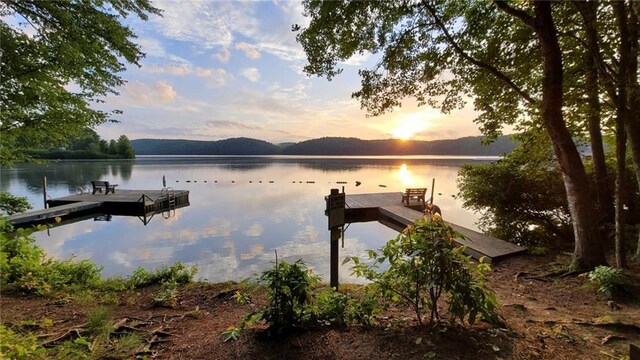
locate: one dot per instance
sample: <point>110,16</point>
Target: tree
<point>124,147</point>
<point>438,51</point>
<point>113,147</point>
<point>81,43</point>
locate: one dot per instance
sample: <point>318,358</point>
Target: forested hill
<point>234,146</point>
<point>352,146</point>
<point>324,146</point>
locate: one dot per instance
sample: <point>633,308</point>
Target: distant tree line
<point>87,145</point>
<point>324,146</point>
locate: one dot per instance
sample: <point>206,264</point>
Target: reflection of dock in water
<point>141,203</point>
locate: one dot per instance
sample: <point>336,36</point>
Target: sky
<point>220,69</point>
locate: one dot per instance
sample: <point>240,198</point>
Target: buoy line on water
<point>341,182</point>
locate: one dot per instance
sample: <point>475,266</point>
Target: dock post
<point>433,185</point>
<point>335,236</point>
<point>44,190</point>
<point>335,210</point>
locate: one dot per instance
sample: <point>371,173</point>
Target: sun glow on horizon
<point>408,127</point>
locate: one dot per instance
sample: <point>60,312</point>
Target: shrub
<point>178,273</point>
<point>289,288</point>
<point>24,264</point>
<point>11,204</point>
<point>364,310</point>
<point>521,198</point>
<point>330,307</point>
<point>425,264</point>
<point>168,295</point>
<point>609,281</point>
<point>16,346</point>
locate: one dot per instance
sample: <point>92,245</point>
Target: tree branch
<point>490,68</point>
<point>520,14</point>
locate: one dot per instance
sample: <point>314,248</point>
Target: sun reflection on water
<point>405,175</point>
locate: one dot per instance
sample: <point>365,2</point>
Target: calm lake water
<point>237,218</point>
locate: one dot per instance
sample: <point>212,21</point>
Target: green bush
<point>521,197</point>
<point>17,346</point>
<point>289,289</point>
<point>365,309</point>
<point>609,281</point>
<point>177,273</point>
<point>24,264</point>
<point>168,295</point>
<point>10,204</point>
<point>330,307</point>
<point>423,264</point>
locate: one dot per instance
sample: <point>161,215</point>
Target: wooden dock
<point>51,213</point>
<point>122,202</point>
<point>388,209</point>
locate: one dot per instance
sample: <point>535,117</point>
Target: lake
<point>242,209</point>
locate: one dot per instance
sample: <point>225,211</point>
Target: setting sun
<point>404,132</point>
<point>411,126</point>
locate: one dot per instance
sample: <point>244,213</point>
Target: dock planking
<point>388,209</point>
<point>51,213</point>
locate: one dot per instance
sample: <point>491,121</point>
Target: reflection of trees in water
<point>244,167</point>
<point>71,174</point>
<point>323,164</point>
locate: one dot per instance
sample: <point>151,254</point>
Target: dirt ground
<point>547,317</point>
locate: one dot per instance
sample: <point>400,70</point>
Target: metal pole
<point>44,190</point>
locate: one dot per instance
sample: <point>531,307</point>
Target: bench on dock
<point>414,193</point>
<point>98,185</point>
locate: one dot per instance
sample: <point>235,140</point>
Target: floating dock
<point>388,209</point>
<point>121,202</point>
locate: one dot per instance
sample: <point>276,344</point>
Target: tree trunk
<point>622,111</point>
<point>603,195</point>
<point>588,247</point>
<point>633,119</point>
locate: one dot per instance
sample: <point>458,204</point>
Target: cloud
<point>249,50</point>
<point>216,77</point>
<point>223,56</point>
<point>223,124</point>
<point>152,47</point>
<point>252,74</point>
<point>169,69</point>
<point>208,24</point>
<point>141,93</point>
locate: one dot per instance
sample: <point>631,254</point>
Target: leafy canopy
<point>438,52</point>
<point>62,57</point>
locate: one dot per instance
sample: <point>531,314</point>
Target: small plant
<point>16,346</point>
<point>330,307</point>
<point>178,273</point>
<point>241,298</point>
<point>609,281</point>
<point>424,264</point>
<point>168,295</point>
<point>99,321</point>
<point>289,288</point>
<point>365,310</point>
<point>232,333</point>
